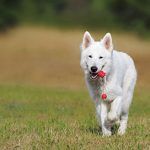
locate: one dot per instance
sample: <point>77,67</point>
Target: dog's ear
<point>87,40</point>
<point>107,42</point>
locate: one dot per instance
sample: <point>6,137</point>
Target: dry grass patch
<point>50,57</point>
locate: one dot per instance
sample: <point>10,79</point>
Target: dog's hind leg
<point>123,124</point>
<point>128,89</point>
<point>124,112</point>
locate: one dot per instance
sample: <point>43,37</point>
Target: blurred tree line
<point>128,14</point>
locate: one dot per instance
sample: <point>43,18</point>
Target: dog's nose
<point>93,68</point>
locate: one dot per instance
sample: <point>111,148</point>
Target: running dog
<point>110,77</point>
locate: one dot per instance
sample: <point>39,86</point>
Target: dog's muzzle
<point>93,75</point>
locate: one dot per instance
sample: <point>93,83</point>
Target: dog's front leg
<point>115,109</point>
<point>103,117</point>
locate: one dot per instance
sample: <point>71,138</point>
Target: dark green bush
<point>9,13</point>
<point>128,14</point>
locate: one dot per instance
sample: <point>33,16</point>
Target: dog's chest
<point>110,89</point>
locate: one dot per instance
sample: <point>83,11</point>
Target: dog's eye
<point>100,57</point>
<point>90,56</point>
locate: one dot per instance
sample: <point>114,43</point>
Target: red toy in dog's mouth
<point>100,74</point>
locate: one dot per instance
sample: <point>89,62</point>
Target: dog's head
<point>96,55</point>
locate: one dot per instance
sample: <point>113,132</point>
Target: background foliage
<point>126,14</point>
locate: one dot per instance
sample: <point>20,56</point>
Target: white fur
<point>120,81</point>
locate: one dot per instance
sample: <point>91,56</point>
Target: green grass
<point>45,118</point>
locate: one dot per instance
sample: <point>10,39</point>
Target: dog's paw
<point>112,116</point>
<point>121,131</point>
<point>106,133</point>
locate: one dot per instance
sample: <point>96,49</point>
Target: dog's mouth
<point>93,75</point>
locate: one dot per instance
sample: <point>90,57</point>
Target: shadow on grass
<point>114,129</point>
<point>98,130</point>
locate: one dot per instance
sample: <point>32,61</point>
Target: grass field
<point>44,103</point>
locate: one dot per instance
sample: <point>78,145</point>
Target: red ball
<point>101,74</point>
<point>103,96</point>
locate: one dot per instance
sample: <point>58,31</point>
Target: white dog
<point>110,76</point>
